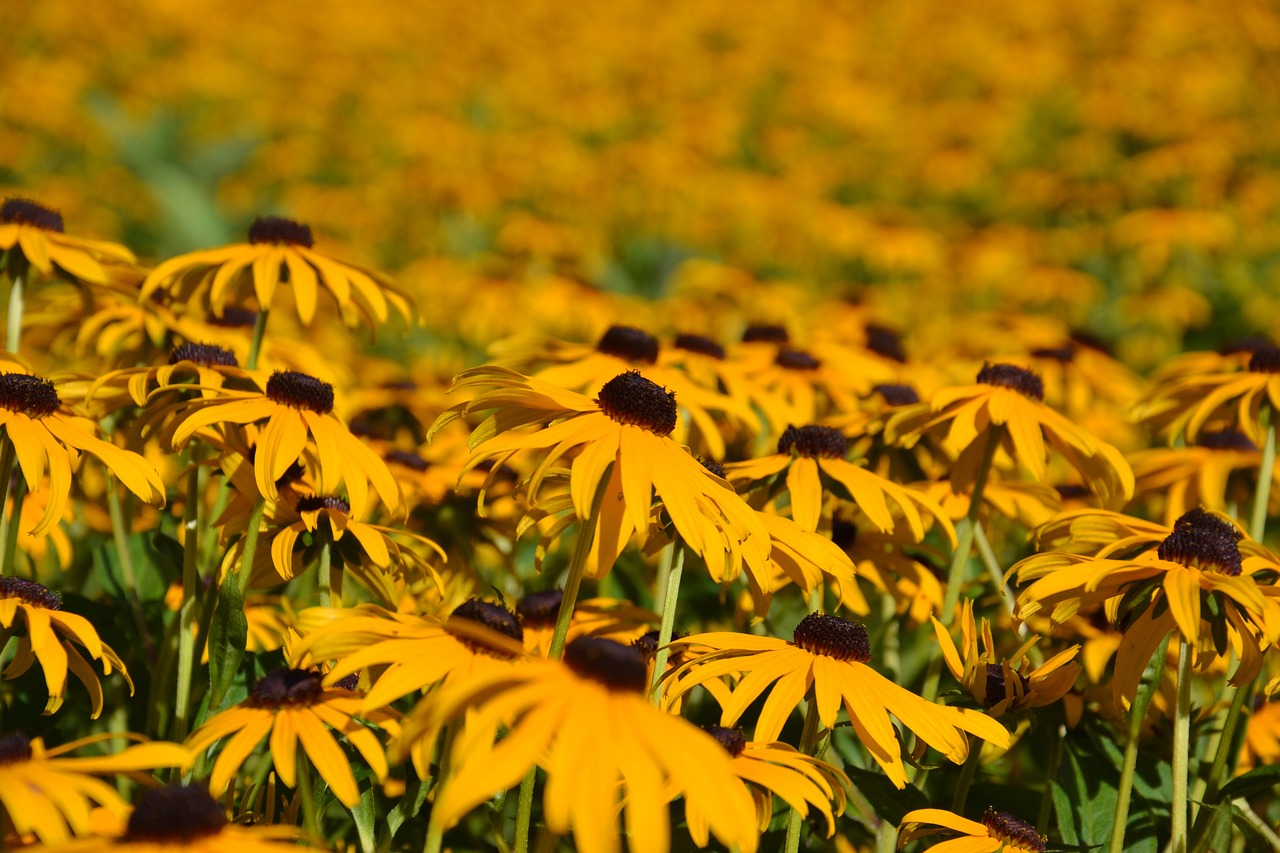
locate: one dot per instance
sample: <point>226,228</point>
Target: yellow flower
<point>191,364</point>
<point>1215,473</point>
<point>1261,738</point>
<point>295,407</point>
<point>45,634</point>
<point>294,708</point>
<point>32,235</point>
<point>49,438</point>
<point>1230,397</point>
<point>765,769</point>
<point>997,831</point>
<point>806,559</point>
<point>185,819</point>
<point>586,721</point>
<point>610,618</point>
<point>45,792</point>
<point>1011,399</point>
<point>829,657</point>
<point>279,251</point>
<point>624,436</point>
<point>1004,684</point>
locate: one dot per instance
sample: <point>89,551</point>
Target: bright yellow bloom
<point>45,634</point>
<point>611,618</point>
<point>32,235</point>
<point>205,366</point>
<point>279,251</point>
<point>998,831</point>
<point>1216,473</point>
<point>1261,738</point>
<point>829,657</point>
<point>45,792</point>
<point>1186,404</point>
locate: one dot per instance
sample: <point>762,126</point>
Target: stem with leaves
<point>1137,713</point>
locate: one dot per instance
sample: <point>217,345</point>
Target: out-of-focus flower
<point>32,235</point>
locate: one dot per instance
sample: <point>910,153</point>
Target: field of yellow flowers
<point>643,426</point>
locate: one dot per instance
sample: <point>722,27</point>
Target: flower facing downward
<point>997,831</point>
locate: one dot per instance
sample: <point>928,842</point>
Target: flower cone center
<point>1064,353</point>
<point>699,344</point>
<point>1015,378</point>
<point>1227,439</point>
<point>1265,360</point>
<point>765,334</point>
<point>897,395</point>
<point>540,609</point>
<point>796,359</point>
<point>24,211</point>
<point>314,503</point>
<point>277,229</point>
<point>823,634</point>
<point>885,342</point>
<point>37,595</point>
<point>629,398</point>
<point>1013,830</point>
<point>495,617</point>
<point>996,685</point>
<point>285,688</point>
<point>300,391</point>
<point>408,459</point>
<point>647,645</point>
<point>629,344</point>
<point>617,667</point>
<point>176,815</point>
<point>33,396</point>
<point>14,747</point>
<point>733,740</point>
<point>813,442</point>
<point>1202,540</point>
<point>234,317</point>
<point>205,355</point>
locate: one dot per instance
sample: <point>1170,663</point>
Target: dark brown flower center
<point>174,815</point>
<point>795,359</point>
<point>351,682</point>
<point>314,503</point>
<point>14,747</point>
<point>647,645</point>
<point>24,211</point>
<point>823,634</point>
<point>606,662</point>
<point>813,441</point>
<point>408,459</point>
<point>1014,378</point>
<point>996,684</point>
<point>629,344</point>
<point>234,317</point>
<point>1227,439</point>
<point>1202,540</point>
<point>765,333</point>
<point>540,609</point>
<point>843,533</point>
<point>1088,340</point>
<point>885,342</point>
<point>701,345</point>
<point>300,391</point>
<point>629,398</point>
<point>286,688</point>
<point>1242,345</point>
<point>713,466</point>
<point>897,395</point>
<point>733,740</point>
<point>205,355</point>
<point>495,617</point>
<point>1063,353</point>
<point>33,396</point>
<point>37,595</point>
<point>1265,360</point>
<point>1013,830</point>
<point>277,229</point>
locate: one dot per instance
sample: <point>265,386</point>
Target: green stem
<point>8,456</point>
<point>967,771</point>
<point>1181,749</point>
<point>524,811</point>
<point>255,343</point>
<point>120,533</point>
<point>808,739</point>
<point>1050,779</point>
<point>1262,496</point>
<point>1137,713</point>
<point>435,832</point>
<point>250,543</point>
<point>960,560</point>
<point>14,336</point>
<point>581,551</point>
<point>15,518</point>
<point>307,790</point>
<point>667,627</point>
<point>1226,742</point>
<point>323,578</point>
<point>187,615</point>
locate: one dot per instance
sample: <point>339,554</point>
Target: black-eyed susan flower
<point>1010,399</point>
<point>611,618</point>
<point>1002,684</point>
<point>997,831</point>
<point>806,559</point>
<point>1232,397</point>
<point>185,818</point>
<point>48,437</point>
<point>829,656</point>
<point>585,720</point>
<point>293,407</point>
<point>294,708</point>
<point>1261,745</point>
<point>813,458</point>
<point>622,435</point>
<point>46,792</point>
<point>766,769</point>
<point>32,235</point>
<point>279,252</point>
<point>47,634</point>
<point>202,365</point>
<point>1216,473</point>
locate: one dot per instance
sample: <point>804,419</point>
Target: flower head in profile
<point>829,656</point>
<point>203,365</point>
<point>279,252</point>
<point>1010,399</point>
<point>1233,396</point>
<point>997,831</point>
<point>50,635</point>
<point>294,708</point>
<point>49,793</point>
<point>605,749</point>
<point>1004,684</point>
<point>32,235</point>
<point>1216,472</point>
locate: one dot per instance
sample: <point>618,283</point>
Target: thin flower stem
<point>323,575</point>
<point>808,740</point>
<point>960,560</point>
<point>524,811</point>
<point>250,543</point>
<point>15,517</point>
<point>667,627</point>
<point>8,456</point>
<point>1050,779</point>
<point>435,832</point>
<point>255,343</point>
<point>14,333</point>
<point>187,615</point>
<point>307,792</point>
<point>1181,749</point>
<point>1226,742</point>
<point>120,533</point>
<point>1262,495</point>
<point>581,551</point>
<point>971,762</point>
<point>1137,712</point>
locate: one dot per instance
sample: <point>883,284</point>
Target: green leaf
<point>1085,801</point>
<point>1217,833</point>
<point>228,637</point>
<point>1256,781</point>
<point>890,803</point>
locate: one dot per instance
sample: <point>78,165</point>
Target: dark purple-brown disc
<point>1202,540</point>
<point>33,396</point>
<point>174,816</point>
<point>24,211</point>
<point>823,634</point>
<point>606,662</point>
<point>1015,378</point>
<point>300,391</point>
<point>278,229</point>
<point>629,344</point>
<point>629,398</point>
<point>205,355</point>
<point>813,441</point>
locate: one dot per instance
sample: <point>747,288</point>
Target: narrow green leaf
<point>228,637</point>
